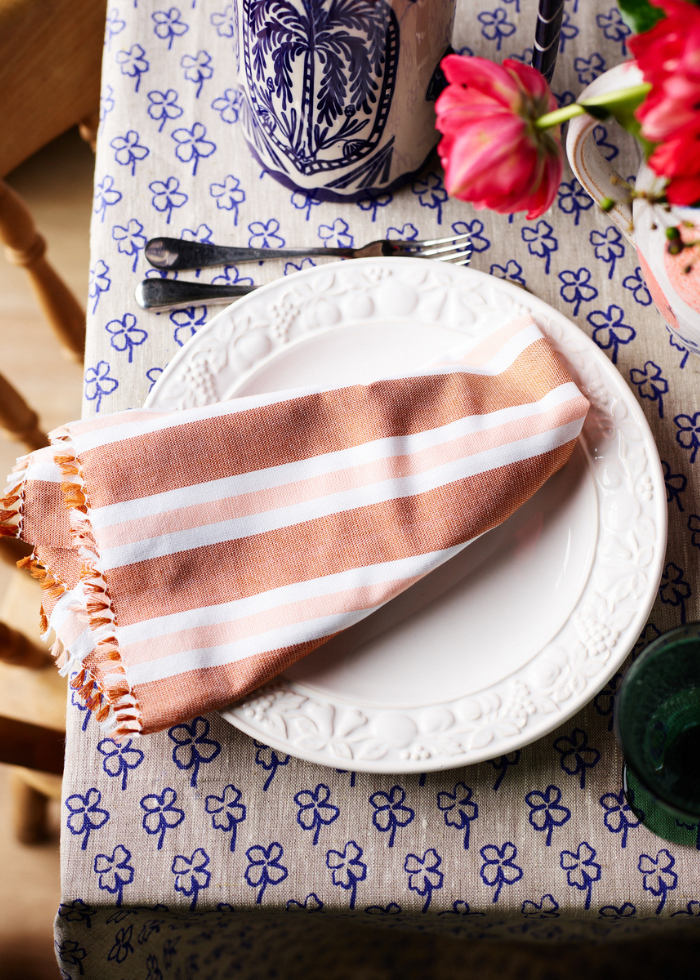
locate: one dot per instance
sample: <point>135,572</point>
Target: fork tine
<point>428,252</point>
<point>460,257</point>
<point>443,241</point>
<point>419,246</point>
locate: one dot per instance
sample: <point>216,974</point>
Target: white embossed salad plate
<point>514,635</point>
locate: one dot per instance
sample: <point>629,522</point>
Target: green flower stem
<point>622,102</point>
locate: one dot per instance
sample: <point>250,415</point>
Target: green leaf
<point>639,15</point>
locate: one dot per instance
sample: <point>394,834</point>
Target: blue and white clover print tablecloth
<point>174,846</point>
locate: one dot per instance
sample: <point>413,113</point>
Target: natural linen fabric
<point>189,557</point>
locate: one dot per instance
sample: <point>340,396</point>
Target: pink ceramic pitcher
<point>673,280</point>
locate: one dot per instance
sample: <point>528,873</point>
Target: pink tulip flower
<point>492,153</point>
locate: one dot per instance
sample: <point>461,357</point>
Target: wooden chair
<point>32,718</point>
<point>50,60</point>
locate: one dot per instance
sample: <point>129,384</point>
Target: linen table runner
<point>188,557</point>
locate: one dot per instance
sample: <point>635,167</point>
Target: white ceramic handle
<point>591,168</point>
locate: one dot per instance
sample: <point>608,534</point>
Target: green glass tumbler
<point>657,723</point>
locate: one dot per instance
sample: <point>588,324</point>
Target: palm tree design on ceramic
<point>320,77</point>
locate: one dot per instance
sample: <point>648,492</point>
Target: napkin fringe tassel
<point>110,696</point>
<point>11,504</point>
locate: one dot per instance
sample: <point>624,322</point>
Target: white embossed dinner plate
<point>510,638</point>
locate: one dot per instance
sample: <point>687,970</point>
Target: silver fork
<point>158,295</point>
<point>174,254</point>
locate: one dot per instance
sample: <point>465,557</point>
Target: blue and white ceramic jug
<point>337,96</point>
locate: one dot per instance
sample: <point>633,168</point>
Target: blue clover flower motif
<point>649,633</point>
<point>153,374</point>
<point>694,528</point>
<point>674,589</point>
<point>336,235</point>
<point>312,903</point>
<point>133,63</point>
<point>650,384</point>
<point>475,228</point>
<point>458,809</point>
<point>581,869</point>
<point>122,945</point>
<point>674,343</point>
<point>625,911</point>
<point>373,202</point>
<point>192,747</point>
<point>125,334</point>
<point>99,384</point>
<point>688,435</point>
<point>604,701</point>
<point>231,276</point>
<point>431,193</point>
<point>77,911</point>
<point>588,69</point>
<point>128,151</point>
<point>229,107</point>
<point>541,242</point>
<point>114,871</point>
<point>163,106</point>
<point>614,28</point>
<point>160,813</point>
<point>191,875</point>
<point>347,868</point>
<point>692,908</point>
<point>546,812</point>
<point>573,199</point>
<point>197,69</point>
<point>115,25</point>
<point>609,329</point>
<point>226,811</point>
<point>512,270</point>
<point>229,196</point>
<point>496,26</point>
<point>499,867</point>
<point>120,757</point>
<point>202,233</point>
<point>406,233</point>
<point>526,57</point>
<point>576,289</point>
<point>154,972</point>
<point>657,876</point>
<point>192,146</point>
<point>564,98</point>
<point>675,484</point>
<point>546,908</point>
<point>608,150</point>
<point>225,22</point>
<point>264,867</point>
<point>168,25</point>
<point>576,754</point>
<point>99,282</point>
<point>71,953</point>
<point>167,196</point>
<point>270,760</point>
<point>607,246</point>
<point>568,32</point>
<point>423,875</point>
<point>186,322</point>
<point>636,285</point>
<point>264,234</point>
<point>501,764</point>
<point>619,817</point>
<point>106,102</point>
<point>106,196</point>
<point>304,201</point>
<point>393,908</point>
<point>291,267</point>
<point>460,907</point>
<point>390,812</point>
<point>129,239</point>
<point>314,809</point>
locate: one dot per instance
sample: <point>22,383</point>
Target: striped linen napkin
<point>188,557</point>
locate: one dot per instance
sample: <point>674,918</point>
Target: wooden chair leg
<point>13,550</point>
<point>18,420</point>
<point>88,129</point>
<point>29,808</point>
<point>18,651</point>
<point>27,248</point>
